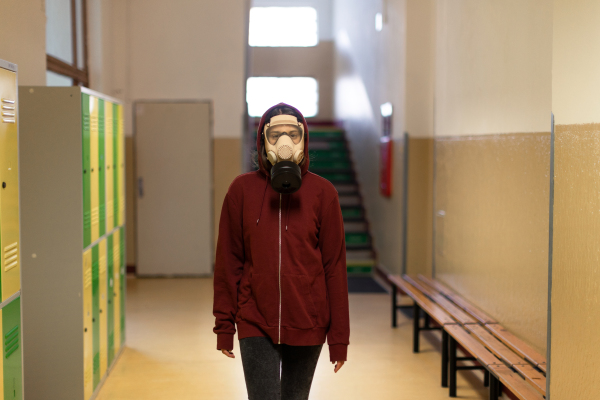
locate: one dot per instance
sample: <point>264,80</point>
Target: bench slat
<point>472,345</point>
<point>518,346</point>
<point>461,302</point>
<point>515,383</point>
<point>446,304</point>
<point>494,345</point>
<point>432,309</point>
<point>537,380</point>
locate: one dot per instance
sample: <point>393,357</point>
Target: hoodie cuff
<point>338,352</point>
<point>225,341</point>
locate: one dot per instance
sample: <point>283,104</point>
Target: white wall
<point>369,71</point>
<point>183,49</point>
<point>493,72</point>
<point>23,38</point>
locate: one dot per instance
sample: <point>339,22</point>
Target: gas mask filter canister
<point>284,145</point>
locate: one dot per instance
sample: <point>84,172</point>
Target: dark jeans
<point>262,360</point>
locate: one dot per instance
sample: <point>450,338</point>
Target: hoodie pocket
<point>297,307</point>
<point>321,300</point>
<point>265,293</point>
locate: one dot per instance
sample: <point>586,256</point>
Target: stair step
<point>349,200</point>
<point>352,213</point>
<point>359,255</point>
<point>326,134</point>
<point>346,188</point>
<point>338,177</point>
<point>359,269</point>
<point>355,226</point>
<point>320,155</point>
<point>332,145</point>
<point>324,164</point>
<point>358,239</point>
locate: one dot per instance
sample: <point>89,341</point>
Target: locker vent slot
<point>11,341</point>
<point>8,117</point>
<point>11,256</point>
<point>8,107</point>
<point>8,101</point>
<point>95,216</point>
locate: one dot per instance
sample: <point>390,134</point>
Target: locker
<point>87,194</point>
<point>94,167</point>
<point>101,168</point>
<point>110,299</point>
<point>121,166</point>
<point>12,360</point>
<point>96,312</point>
<point>88,335</point>
<point>10,271</point>
<point>117,289</point>
<point>103,308</point>
<point>122,282</point>
<point>108,140</point>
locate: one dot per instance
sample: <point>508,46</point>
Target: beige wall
<point>491,226</point>
<point>315,62</point>
<point>575,300</point>
<point>23,40</point>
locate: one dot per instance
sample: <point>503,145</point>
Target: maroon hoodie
<point>281,262</point>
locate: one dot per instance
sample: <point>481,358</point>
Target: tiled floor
<point>171,353</point>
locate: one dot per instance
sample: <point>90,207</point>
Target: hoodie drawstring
<point>263,199</point>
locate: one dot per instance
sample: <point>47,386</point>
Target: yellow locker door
<point>108,140</point>
<point>116,289</point>
<point>121,165</point>
<point>88,335</point>
<point>94,168</point>
<point>103,308</point>
<point>10,274</point>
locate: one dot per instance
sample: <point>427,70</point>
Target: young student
<point>280,272</point>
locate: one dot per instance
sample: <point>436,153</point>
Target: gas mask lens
<point>275,132</point>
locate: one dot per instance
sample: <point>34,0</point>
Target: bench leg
<point>453,370</point>
<point>394,306</point>
<point>486,378</point>
<point>427,323</point>
<point>416,329</point>
<point>499,389</point>
<point>494,384</point>
<point>445,358</point>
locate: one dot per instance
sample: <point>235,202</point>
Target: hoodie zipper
<point>279,339</point>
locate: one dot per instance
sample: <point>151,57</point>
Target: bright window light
<point>378,22</point>
<point>264,92</point>
<point>283,27</point>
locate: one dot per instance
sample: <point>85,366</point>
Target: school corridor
<point>413,184</point>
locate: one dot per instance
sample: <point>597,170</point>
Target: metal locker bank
<point>73,202</point>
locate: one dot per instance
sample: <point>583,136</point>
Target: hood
<point>261,125</point>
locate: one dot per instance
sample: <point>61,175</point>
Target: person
<point>280,270</point>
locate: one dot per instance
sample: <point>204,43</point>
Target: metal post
<point>499,388</point>
<point>394,306</point>
<point>444,358</point>
<point>452,367</point>
<point>493,388</point>
<point>427,322</point>
<point>416,329</point>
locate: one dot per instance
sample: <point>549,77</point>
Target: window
<point>283,27</point>
<point>300,92</point>
<point>66,42</point>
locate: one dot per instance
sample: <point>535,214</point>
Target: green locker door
<point>96,313</point>
<point>101,166</point>
<point>11,331</point>
<point>115,170</point>
<point>123,282</point>
<point>111,310</point>
<point>87,200</point>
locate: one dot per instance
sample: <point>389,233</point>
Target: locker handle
<point>140,187</point>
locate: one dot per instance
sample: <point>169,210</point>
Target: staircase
<point>330,158</point>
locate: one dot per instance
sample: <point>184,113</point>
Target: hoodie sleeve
<point>229,266</point>
<point>332,242</point>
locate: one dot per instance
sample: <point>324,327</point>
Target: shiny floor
<point>171,353</point>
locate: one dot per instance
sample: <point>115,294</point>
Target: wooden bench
<point>463,324</point>
<point>514,343</point>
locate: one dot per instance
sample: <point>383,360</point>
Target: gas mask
<point>284,145</point>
